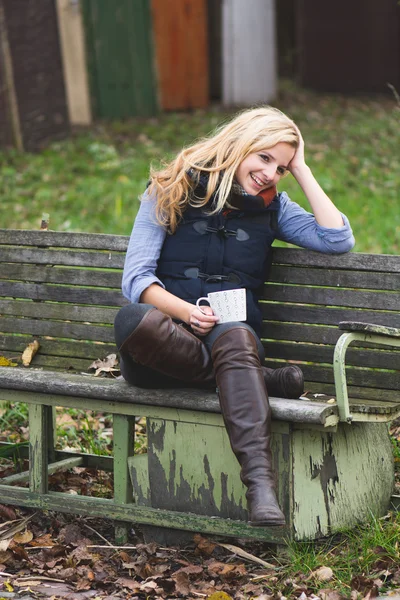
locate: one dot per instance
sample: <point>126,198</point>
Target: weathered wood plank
<point>355,376</point>
<point>302,333</point>
<point>89,461</point>
<point>357,393</point>
<point>321,315</point>
<point>358,261</point>
<point>370,328</point>
<point>38,447</point>
<point>40,383</point>
<point>60,311</point>
<point>75,295</point>
<point>51,347</point>
<point>99,507</point>
<point>124,437</point>
<point>58,329</point>
<point>61,239</point>
<point>334,297</point>
<point>61,275</point>
<point>61,465</point>
<point>333,278</point>
<point>324,354</point>
<point>66,257</point>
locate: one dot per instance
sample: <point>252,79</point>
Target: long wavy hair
<point>219,155</point>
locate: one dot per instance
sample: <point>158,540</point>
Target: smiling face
<point>263,169</point>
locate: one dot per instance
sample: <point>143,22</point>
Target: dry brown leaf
<point>4,544</point>
<point>244,554</point>
<point>29,353</point>
<point>322,574</point>
<point>106,365</point>
<point>204,546</point>
<point>23,538</point>
<point>328,594</point>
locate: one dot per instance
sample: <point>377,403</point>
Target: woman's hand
<point>202,321</point>
<point>298,161</point>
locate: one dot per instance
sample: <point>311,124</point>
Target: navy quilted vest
<point>210,253</point>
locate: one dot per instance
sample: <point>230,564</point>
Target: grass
<point>364,556</point>
<point>92,180</point>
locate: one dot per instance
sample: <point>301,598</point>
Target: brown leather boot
<point>159,343</point>
<point>286,382</point>
<point>247,416</point>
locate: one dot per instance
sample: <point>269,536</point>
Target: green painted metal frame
<point>339,365</point>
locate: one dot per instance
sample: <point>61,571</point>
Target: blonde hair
<point>219,155</point>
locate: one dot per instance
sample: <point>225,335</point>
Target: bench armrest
<point>370,328</point>
<point>365,332</point>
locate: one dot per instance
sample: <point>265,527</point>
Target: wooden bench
<point>333,459</point>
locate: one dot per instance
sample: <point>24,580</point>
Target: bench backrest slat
<point>64,290</point>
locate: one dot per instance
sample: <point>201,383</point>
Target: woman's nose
<point>269,172</point>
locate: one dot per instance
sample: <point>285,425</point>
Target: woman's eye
<point>281,171</point>
<point>264,157</point>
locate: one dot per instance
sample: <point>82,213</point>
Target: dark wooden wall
<point>348,46</point>
<point>38,77</point>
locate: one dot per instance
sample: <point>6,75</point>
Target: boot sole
<point>266,524</point>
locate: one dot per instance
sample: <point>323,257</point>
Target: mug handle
<point>198,303</point>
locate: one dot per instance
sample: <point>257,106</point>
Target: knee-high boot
<point>247,415</point>
<point>286,382</point>
<point>159,343</point>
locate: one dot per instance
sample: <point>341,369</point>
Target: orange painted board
<point>181,51</point>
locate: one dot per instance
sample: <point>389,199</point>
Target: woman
<point>207,223</point>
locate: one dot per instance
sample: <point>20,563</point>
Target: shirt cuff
<point>141,285</point>
<point>335,234</point>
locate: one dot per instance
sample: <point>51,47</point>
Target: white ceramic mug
<point>229,305</point>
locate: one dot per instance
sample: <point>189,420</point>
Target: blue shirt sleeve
<point>299,227</point>
<point>143,252</point>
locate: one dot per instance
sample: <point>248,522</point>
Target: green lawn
<point>92,181</point>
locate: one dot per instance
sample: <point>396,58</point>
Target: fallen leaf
<point>4,544</point>
<point>6,512</point>
<point>29,353</point>
<point>6,362</point>
<point>204,546</point>
<point>219,596</point>
<point>23,538</point>
<point>106,365</point>
<point>322,574</point>
<point>328,594</point>
<point>244,554</point>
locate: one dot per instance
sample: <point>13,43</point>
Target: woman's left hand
<point>298,161</point>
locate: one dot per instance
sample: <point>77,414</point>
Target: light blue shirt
<point>295,225</point>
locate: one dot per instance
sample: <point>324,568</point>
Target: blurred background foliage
<point>92,181</point>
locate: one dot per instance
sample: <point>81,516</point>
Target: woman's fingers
<point>202,321</point>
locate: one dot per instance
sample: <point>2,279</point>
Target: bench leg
<point>124,439</point>
<point>38,448</point>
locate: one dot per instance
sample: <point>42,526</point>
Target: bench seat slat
<point>61,239</point>
<point>187,399</point>
<point>301,333</point>
<point>354,392</point>
<point>13,345</point>
<point>58,329</point>
<point>63,312</point>
<point>355,376</point>
<point>385,263</point>
<point>75,295</point>
<point>336,278</point>
<point>372,358</point>
<point>321,315</point>
<point>72,258</point>
<point>332,297</point>
<point>61,275</point>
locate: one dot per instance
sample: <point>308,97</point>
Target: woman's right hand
<point>202,321</point>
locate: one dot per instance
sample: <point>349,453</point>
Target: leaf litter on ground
<point>56,554</point>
